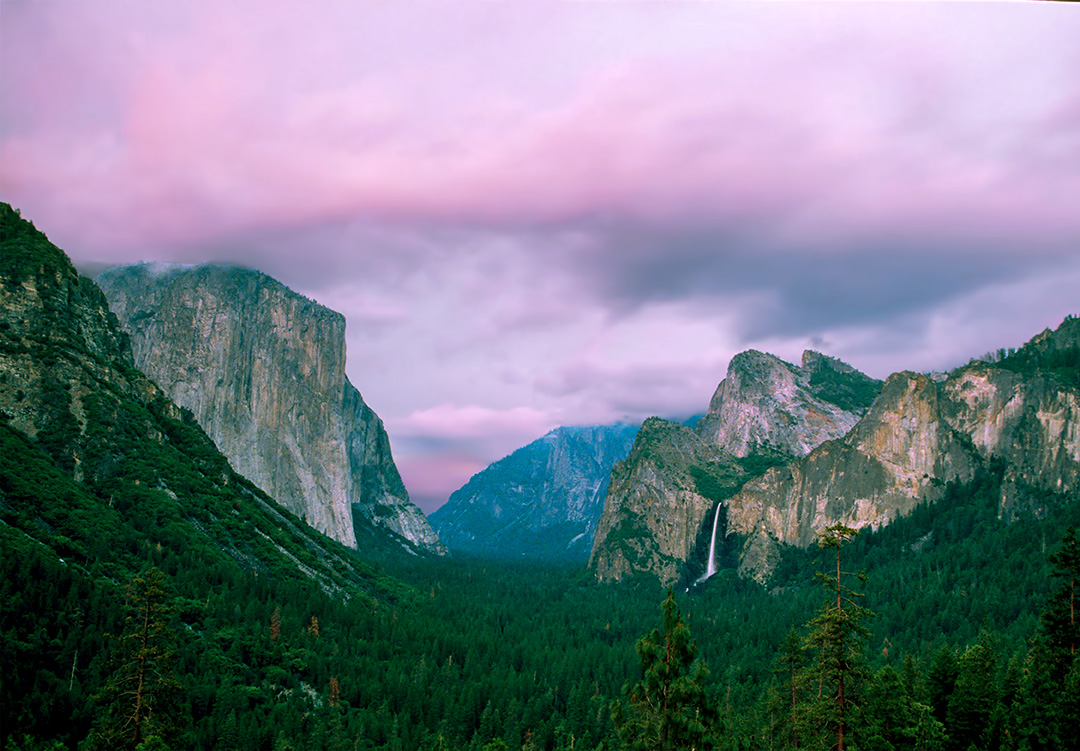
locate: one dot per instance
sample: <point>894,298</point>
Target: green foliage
<point>762,460</point>
<point>848,389</point>
<point>140,700</point>
<point>668,709</point>
<point>24,251</point>
<point>836,642</point>
<point>1057,354</point>
<point>716,481</point>
<point>1060,619</point>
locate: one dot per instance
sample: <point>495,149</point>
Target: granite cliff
<point>102,468</point>
<point>542,501</point>
<point>660,502</point>
<point>919,435</point>
<point>263,371</point>
<point>766,403</point>
<point>765,412</point>
<point>822,444</point>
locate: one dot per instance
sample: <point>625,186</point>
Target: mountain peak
<point>262,368</point>
<point>767,402</point>
<point>540,502</point>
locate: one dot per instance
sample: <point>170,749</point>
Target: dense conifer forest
<point>950,650</point>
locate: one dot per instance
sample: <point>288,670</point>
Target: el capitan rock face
<point>263,371</point>
<point>542,501</point>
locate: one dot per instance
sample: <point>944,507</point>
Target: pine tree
<point>789,669</point>
<point>972,704</point>
<point>139,700</point>
<point>941,682</point>
<point>837,640</point>
<point>1061,627</point>
<point>668,709</point>
<point>890,713</point>
<point>1050,704</point>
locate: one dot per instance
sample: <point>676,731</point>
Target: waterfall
<point>711,568</point>
<point>712,545</point>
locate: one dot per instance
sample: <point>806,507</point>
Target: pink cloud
<point>844,133</point>
<point>448,421</point>
<point>431,479</point>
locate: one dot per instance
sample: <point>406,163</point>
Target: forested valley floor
<point>963,640</point>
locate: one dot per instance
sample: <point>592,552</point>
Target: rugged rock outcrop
<point>263,371</point>
<point>1029,422</point>
<point>898,455</point>
<point>59,344</point>
<point>659,500</point>
<point>103,470</point>
<point>765,403</point>
<point>542,501</point>
<point>919,435</point>
<point>765,411</point>
<point>859,452</point>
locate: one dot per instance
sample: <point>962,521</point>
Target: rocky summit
<point>920,434</point>
<point>543,501</point>
<point>822,444</point>
<point>262,369</point>
<point>765,403</point>
<point>665,499</point>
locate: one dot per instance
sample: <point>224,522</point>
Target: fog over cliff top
<point>538,215</point>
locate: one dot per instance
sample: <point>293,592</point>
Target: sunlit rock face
<point>263,371</point>
<point>898,455</point>
<point>1031,423</point>
<point>766,402</point>
<point>658,501</point>
<point>851,450</point>
<point>541,502</point>
<point>671,483</point>
<point>918,435</point>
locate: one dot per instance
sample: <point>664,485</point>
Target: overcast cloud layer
<point>545,214</point>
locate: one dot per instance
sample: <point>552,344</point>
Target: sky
<point>542,214</point>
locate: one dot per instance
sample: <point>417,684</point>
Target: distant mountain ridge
<point>262,368</point>
<point>1020,415</point>
<point>542,501</point>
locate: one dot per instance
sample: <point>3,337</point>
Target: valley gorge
<point>543,501</point>
<point>114,503</point>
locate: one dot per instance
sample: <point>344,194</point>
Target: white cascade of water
<point>711,568</point>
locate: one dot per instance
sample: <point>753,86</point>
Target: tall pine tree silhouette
<point>668,709</point>
<point>837,639</point>
<point>138,702</point>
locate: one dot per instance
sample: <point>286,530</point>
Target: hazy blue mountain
<point>542,501</point>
